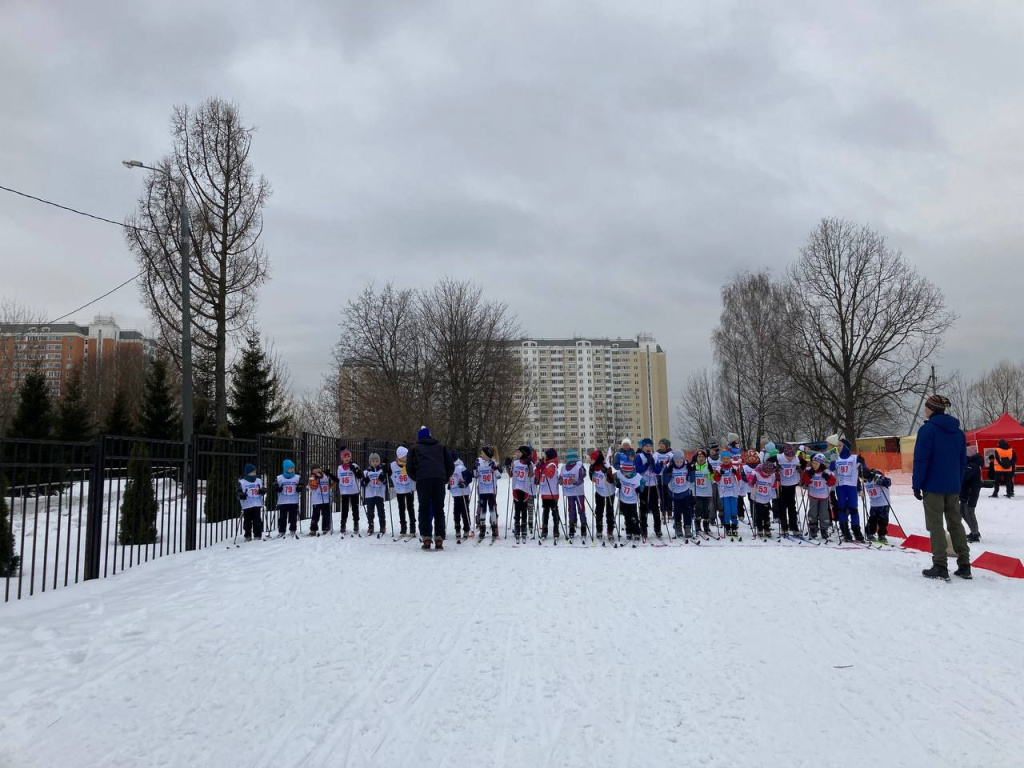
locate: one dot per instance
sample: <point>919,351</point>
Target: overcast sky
<point>602,167</point>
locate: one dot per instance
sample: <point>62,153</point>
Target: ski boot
<point>937,572</point>
<point>845,529</point>
<point>438,544</point>
<point>248,537</point>
<point>882,539</point>
<point>857,533</point>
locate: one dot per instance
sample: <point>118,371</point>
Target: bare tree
<point>12,315</point>
<point>962,394</point>
<point>863,325</point>
<point>1000,390</point>
<point>210,165</point>
<point>698,411</point>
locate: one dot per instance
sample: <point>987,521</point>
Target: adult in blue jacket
<point>940,457</point>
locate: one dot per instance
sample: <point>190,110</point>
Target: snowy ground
<point>325,652</point>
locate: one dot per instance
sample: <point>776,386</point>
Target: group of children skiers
<point>713,485</point>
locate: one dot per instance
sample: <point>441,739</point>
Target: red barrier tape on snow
<point>922,543</point>
<point>1011,567</point>
<point>895,532</point>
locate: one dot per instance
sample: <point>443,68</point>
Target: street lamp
<point>184,238</point>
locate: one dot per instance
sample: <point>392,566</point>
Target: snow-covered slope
<point>323,652</point>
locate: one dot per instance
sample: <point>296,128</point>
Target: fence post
<point>191,494</point>
<point>94,512</point>
<point>303,472</point>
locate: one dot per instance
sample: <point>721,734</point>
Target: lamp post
<point>184,238</point>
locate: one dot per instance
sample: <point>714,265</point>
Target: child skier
<point>571,479</point>
<point>677,478</point>
<point>789,479</point>
<point>970,489</point>
<point>819,481</point>
<point>715,462</point>
<point>646,466</point>
<point>487,474</point>
<point>703,478</point>
<point>875,484</point>
<point>287,486</point>
<point>847,467</point>
<point>546,476</point>
<point>321,494</point>
<point>459,486</point>
<point>250,496</point>
<point>728,479</point>
<point>663,457</point>
<point>375,489</point>
<point>522,488</point>
<point>765,482</point>
<point>349,475</point>
<point>630,485</point>
<point>603,478</point>
<point>404,487</point>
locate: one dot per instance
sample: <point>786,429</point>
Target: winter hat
<point>772,453</point>
<point>375,457</point>
<point>249,471</point>
<point>820,458</point>
<point>678,456</point>
<point>314,467</point>
<point>423,434</point>
<point>571,456</point>
<point>487,451</point>
<point>345,455</point>
<point>524,451</point>
<point>713,446</point>
<point>627,465</point>
<point>771,447</point>
<point>832,439</point>
<point>1004,445</point>
<point>732,437</point>
<point>751,457</point>
<point>289,467</point>
<point>645,442</point>
<point>627,442</point>
<point>550,453</point>
<point>937,403</point>
<point>789,450</point>
<point>666,442</point>
<point>402,452</point>
<point>700,452</point>
<point>764,469</point>
<point>727,460</point>
<point>596,456</point>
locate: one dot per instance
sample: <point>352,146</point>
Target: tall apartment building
<point>591,393</point>
<point>56,349</point>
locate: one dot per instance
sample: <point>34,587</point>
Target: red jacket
<point>546,476</point>
<point>830,479</point>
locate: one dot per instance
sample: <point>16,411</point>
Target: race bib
<point>763,490</point>
<point>627,491</point>
<point>788,471</point>
<point>254,491</point>
<point>486,478</point>
<point>679,480</point>
<point>403,478</point>
<point>289,489</point>
<point>727,480</point>
<point>701,480</point>
<point>874,493</point>
<point>346,480</point>
<point>520,474</point>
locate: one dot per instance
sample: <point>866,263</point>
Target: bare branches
<point>698,411</point>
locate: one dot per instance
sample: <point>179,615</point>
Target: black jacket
<point>972,473</point>
<point>429,460</point>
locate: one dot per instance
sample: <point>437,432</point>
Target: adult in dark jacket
<point>940,458</point>
<point>970,489</point>
<point>1001,467</point>
<point>430,466</point>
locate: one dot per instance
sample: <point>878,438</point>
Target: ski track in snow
<point>366,652</point>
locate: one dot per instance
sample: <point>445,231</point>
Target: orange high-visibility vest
<point>1004,459</point>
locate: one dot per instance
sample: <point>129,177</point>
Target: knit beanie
<point>375,457</point>
<point>524,452</point>
<point>345,455</point>
<point>596,456</point>
<point>423,434</point>
<point>820,458</point>
<point>571,456</point>
<point>626,465</point>
<point>402,452</point>
<point>550,453</point>
<point>666,442</point>
<point>937,403</point>
<point>733,438</point>
<point>789,450</point>
<point>487,451</point>
<point>626,442</point>
<point>678,456</point>
<point>645,442</point>
<point>288,467</point>
<point>249,471</point>
<point>832,439</point>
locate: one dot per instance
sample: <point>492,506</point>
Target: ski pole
<point>892,512</point>
<point>391,514</point>
<point>508,500</point>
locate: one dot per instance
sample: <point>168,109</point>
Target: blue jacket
<point>940,455</point>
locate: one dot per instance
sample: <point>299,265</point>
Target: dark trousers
<point>460,511</point>
<point>521,511</point>
<point>682,512</point>
<point>604,507</point>
<point>405,505</point>
<point>741,506</point>
<point>350,502</point>
<point>320,512</point>
<point>629,516</point>
<point>430,495</point>
<point>252,522</point>
<point>787,508</point>
<point>287,514</point>
<point>375,504</point>
<point>878,521</point>
<point>486,502</point>
<point>549,507</point>
<point>763,518</point>
<point>999,479</point>
<point>703,507</point>
<point>649,506</point>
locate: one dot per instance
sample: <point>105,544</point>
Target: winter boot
<point>857,533</point>
<point>572,530</point>
<point>426,543</point>
<point>882,539</point>
<point>937,572</point>
<point>494,532</point>
<point>963,571</point>
<point>403,529</point>
<point>438,544</point>
<point>845,529</point>
<point>973,538</point>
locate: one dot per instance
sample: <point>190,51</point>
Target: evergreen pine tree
<point>119,420</point>
<point>8,560</point>
<point>139,508</point>
<point>255,406</point>
<point>204,416</point>
<point>33,418</point>
<point>160,419</point>
<point>220,502</point>
<point>73,422</point>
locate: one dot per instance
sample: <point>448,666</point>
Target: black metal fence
<point>72,512</point>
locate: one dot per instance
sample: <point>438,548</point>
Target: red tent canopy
<point>1004,428</point>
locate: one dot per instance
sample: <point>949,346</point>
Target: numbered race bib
<point>727,480</point>
<point>679,480</point>
<point>627,491</point>
<point>844,469</point>
<point>788,471</point>
<point>520,474</point>
<point>701,480</point>
<point>874,493</point>
<point>403,478</point>
<point>763,489</point>
<point>346,480</point>
<point>254,491</point>
<point>817,484</point>
<point>288,489</point>
<point>485,478</point>
<point>375,481</point>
